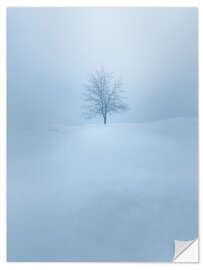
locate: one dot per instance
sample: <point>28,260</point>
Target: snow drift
<point>121,192</point>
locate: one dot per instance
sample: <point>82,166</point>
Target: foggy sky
<point>51,51</point>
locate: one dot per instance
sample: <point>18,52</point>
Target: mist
<point>51,51</point>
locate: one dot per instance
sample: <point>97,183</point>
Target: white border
<point>78,3</point>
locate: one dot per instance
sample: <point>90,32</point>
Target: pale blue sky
<point>52,50</point>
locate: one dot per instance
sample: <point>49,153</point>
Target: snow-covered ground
<point>121,192</point>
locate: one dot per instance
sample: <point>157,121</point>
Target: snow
<point>121,192</point>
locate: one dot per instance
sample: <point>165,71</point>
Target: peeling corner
<point>186,251</point>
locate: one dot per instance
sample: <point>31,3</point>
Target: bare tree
<point>103,95</point>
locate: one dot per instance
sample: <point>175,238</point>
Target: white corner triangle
<point>186,251</point>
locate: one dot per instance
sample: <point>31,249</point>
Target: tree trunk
<point>105,117</point>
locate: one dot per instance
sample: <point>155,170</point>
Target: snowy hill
<point>119,192</point>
